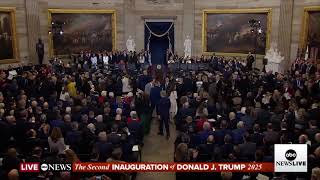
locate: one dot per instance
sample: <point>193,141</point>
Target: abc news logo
<point>37,167</point>
<point>290,158</point>
<point>291,155</point>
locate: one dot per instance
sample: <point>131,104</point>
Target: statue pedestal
<point>273,66</point>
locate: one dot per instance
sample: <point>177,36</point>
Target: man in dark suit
<point>256,136</point>
<point>73,137</point>
<point>103,148</point>
<point>311,69</point>
<point>298,83</point>
<point>271,136</point>
<point>247,149</point>
<point>113,137</point>
<point>163,110</point>
<point>220,134</point>
<point>208,151</point>
<point>155,95</point>
<point>40,50</point>
<point>100,125</point>
<point>263,117</point>
<point>135,128</point>
<point>314,112</point>
<point>250,61</point>
<point>312,130</point>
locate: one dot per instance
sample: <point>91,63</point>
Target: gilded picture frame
<point>206,12</point>
<point>81,11</point>
<point>305,24</point>
<point>14,40</point>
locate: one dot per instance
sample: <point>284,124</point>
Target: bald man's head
<point>13,174</point>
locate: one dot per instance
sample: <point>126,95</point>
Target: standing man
<point>250,61</point>
<point>40,51</point>
<point>164,112</point>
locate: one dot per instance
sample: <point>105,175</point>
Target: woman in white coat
<point>173,100</point>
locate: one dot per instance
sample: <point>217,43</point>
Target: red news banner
<point>172,167</point>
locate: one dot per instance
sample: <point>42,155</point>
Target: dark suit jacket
<point>237,135</point>
<point>100,126</point>
<point>155,95</point>
<point>114,139</point>
<point>104,150</point>
<point>73,138</point>
<point>219,135</point>
<point>271,136</point>
<point>257,138</point>
<point>263,117</point>
<point>314,114</point>
<point>247,151</point>
<point>136,129</point>
<point>164,107</point>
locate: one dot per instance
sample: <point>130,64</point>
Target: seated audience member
<point>256,136</point>
<point>237,134</point>
<point>209,150</point>
<point>227,148</point>
<point>205,133</point>
<point>73,137</point>
<point>36,155</point>
<point>102,148</point>
<point>11,161</point>
<point>32,141</point>
<point>13,174</point>
<point>135,128</point>
<point>100,125</point>
<point>56,141</point>
<point>247,149</point>
<point>222,132</point>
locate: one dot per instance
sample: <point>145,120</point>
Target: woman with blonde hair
<point>56,141</point>
<point>181,153</point>
<point>71,156</point>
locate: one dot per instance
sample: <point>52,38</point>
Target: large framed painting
<point>72,31</point>
<point>8,38</point>
<point>228,31</point>
<point>311,30</point>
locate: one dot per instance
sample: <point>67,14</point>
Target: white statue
<point>187,47</point>
<point>130,44</point>
<point>274,59</point>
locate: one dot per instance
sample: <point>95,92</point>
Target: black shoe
<point>160,133</point>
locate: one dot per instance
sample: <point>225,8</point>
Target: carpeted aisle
<point>158,149</point>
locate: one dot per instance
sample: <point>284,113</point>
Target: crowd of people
<point>87,110</point>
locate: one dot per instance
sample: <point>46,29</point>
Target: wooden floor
<point>158,149</point>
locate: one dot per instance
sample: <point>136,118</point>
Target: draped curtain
<point>159,36</point>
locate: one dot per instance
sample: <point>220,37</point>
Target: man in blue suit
<point>155,95</point>
<point>163,110</point>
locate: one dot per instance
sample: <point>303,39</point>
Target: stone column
<point>129,23</point>
<point>284,34</point>
<point>33,26</point>
<point>188,23</point>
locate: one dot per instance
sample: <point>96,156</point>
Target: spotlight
<point>252,30</point>
<point>52,22</point>
<point>260,31</point>
<point>61,32</point>
<point>50,32</point>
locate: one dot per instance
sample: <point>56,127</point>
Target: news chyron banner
<point>287,158</point>
<point>148,167</point>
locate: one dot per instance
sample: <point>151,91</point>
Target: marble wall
<point>297,23</point>
<point>21,30</point>
<point>32,20</point>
